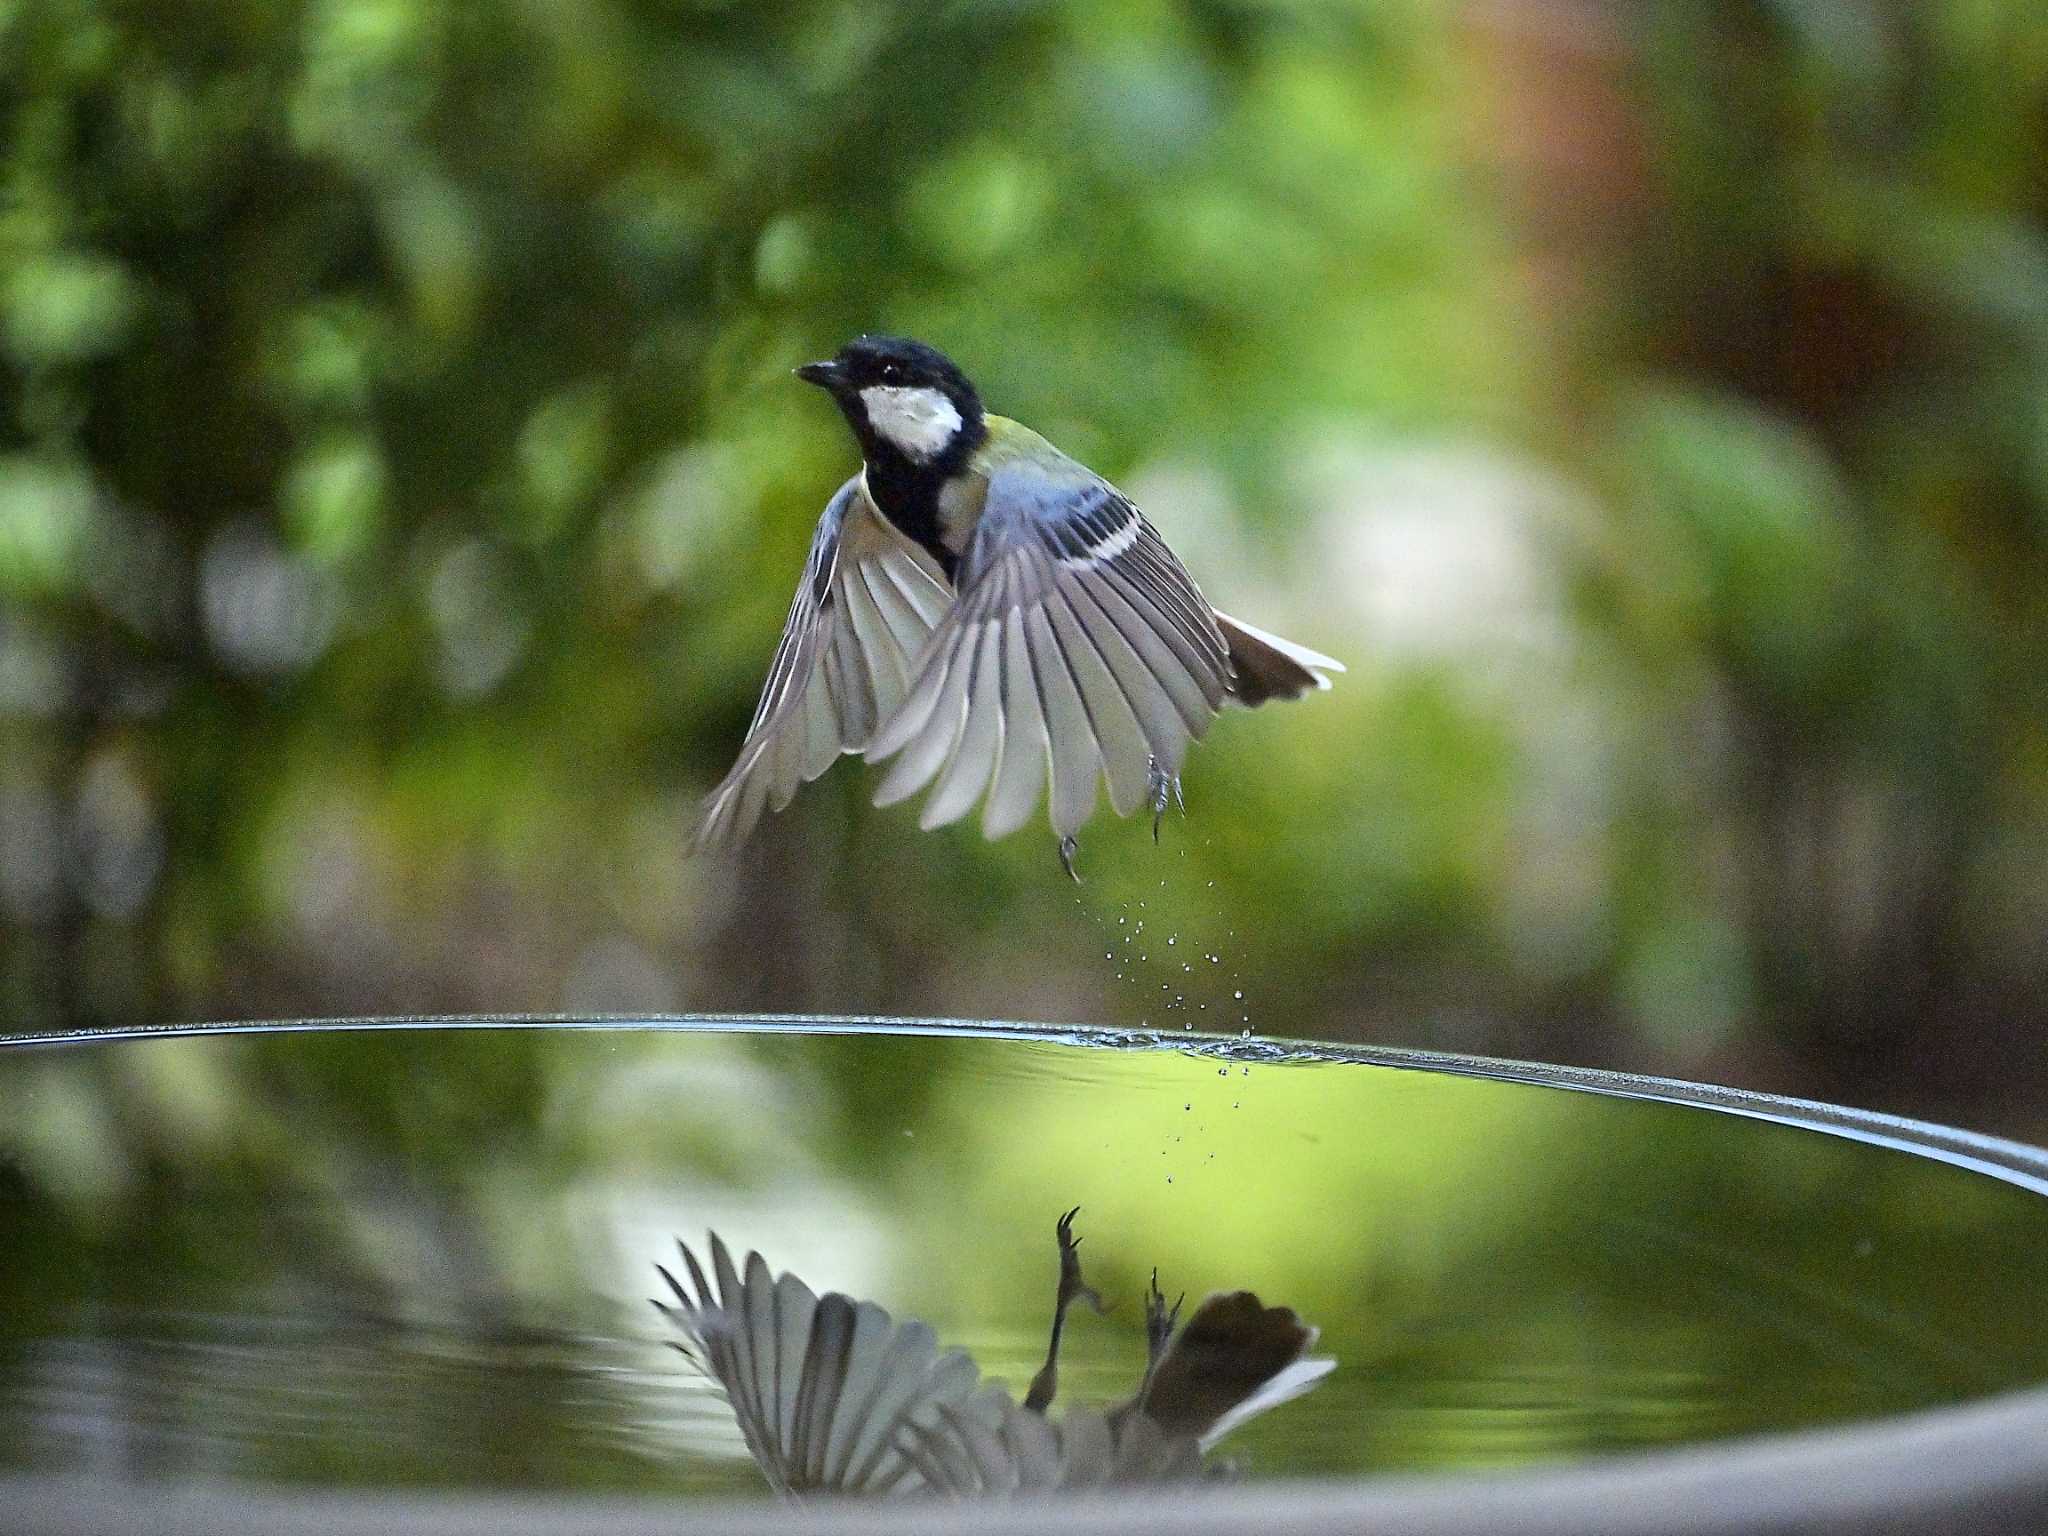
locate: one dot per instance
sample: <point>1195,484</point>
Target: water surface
<point>422,1257</point>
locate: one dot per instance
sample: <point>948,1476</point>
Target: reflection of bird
<point>835,1397</point>
<point>993,615</point>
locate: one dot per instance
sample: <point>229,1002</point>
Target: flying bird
<point>833,1396</point>
<point>994,617</point>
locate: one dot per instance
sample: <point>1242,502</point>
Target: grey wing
<point>863,613</point>
<point>831,1394</point>
<point>1078,649</point>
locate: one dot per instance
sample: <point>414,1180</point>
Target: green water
<point>303,1257</point>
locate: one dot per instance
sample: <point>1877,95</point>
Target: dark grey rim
<point>1982,1467</point>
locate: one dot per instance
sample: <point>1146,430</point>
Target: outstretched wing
<point>1078,648</point>
<point>863,613</point>
<point>834,1395</point>
<point>831,1394</point>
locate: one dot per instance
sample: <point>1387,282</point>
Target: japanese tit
<point>994,617</point>
<point>834,1396</point>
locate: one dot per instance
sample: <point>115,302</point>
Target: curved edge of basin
<point>1981,1468</point>
<point>2013,1161</point>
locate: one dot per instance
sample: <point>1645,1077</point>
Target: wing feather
<point>862,618</point>
<point>1082,636</point>
<point>1021,774</point>
<point>928,749</point>
<point>1169,654</point>
<point>872,1330</point>
<point>847,686</point>
<point>1120,740</point>
<point>828,1354</point>
<point>1146,692</point>
<point>757,1308</point>
<point>1079,650</point>
<point>827,1391</point>
<point>967,773</point>
<point>1076,757</point>
<point>815,747</point>
<point>889,667</point>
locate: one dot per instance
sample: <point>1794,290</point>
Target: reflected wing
<point>1079,648</point>
<point>831,1394</point>
<point>868,602</point>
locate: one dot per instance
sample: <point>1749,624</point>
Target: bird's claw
<point>1072,1287</point>
<point>1162,786</point>
<point>1160,1318</point>
<point>1069,846</point>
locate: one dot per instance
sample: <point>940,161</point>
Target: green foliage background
<point>401,487</point>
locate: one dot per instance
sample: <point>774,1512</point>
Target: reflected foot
<point>1159,1321</point>
<point>1072,1289</point>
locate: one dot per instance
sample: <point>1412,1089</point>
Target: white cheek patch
<point>915,418</point>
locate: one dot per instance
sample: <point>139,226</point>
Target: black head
<point>903,399</point>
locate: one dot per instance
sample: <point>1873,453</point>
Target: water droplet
<point>1173,938</point>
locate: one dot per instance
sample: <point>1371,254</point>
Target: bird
<point>989,617</point>
<point>833,1396</point>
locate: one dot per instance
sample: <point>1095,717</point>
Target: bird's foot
<point>1046,1384</point>
<point>1163,786</point>
<point>1159,1321</point>
<point>1072,1287</point>
<point>1069,846</point>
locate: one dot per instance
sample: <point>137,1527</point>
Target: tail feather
<point>1267,667</point>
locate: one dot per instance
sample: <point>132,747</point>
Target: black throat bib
<point>907,491</point>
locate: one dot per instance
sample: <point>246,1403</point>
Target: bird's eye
<point>891,374</point>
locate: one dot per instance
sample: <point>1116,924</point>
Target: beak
<point>825,375</point>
